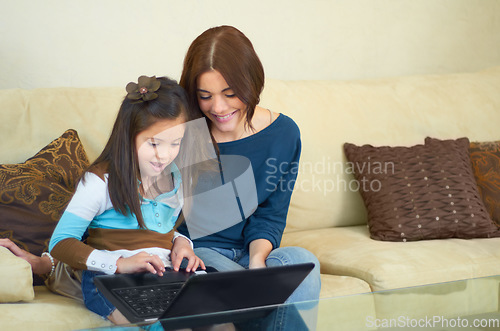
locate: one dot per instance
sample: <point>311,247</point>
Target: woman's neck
<point>260,120</point>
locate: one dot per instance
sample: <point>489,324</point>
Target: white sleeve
<point>103,261</point>
<point>177,234</point>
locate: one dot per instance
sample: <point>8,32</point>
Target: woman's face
<point>219,104</point>
<point>158,146</point>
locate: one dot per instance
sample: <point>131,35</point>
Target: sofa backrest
<point>393,111</point>
<point>30,119</point>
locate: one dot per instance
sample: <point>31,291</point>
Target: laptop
<point>202,293</point>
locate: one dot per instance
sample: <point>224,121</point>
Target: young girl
<point>129,200</point>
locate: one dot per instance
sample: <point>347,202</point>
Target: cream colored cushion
<point>16,280</point>
<point>49,312</point>
<point>349,251</point>
<point>335,286</point>
<point>449,299</point>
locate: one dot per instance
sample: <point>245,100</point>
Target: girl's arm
<point>88,201</point>
<point>183,248</point>
<point>91,199</point>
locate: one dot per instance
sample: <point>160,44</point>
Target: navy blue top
<point>274,153</point>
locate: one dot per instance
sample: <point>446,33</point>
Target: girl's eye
<point>204,97</point>
<point>153,144</point>
<point>230,95</point>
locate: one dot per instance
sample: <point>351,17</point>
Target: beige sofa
<point>325,217</point>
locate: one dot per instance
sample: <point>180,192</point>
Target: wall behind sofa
<point>110,42</point>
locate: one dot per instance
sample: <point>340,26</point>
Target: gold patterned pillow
<point>34,194</point>
<point>485,157</point>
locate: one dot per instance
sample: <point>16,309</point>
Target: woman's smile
<point>224,118</point>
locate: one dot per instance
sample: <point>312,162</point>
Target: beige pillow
<point>16,281</point>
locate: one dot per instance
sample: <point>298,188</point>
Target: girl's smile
<point>158,166</point>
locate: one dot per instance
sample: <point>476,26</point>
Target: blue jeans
<point>224,259</point>
<point>93,299</point>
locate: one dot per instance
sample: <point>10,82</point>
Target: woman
<point>224,78</point>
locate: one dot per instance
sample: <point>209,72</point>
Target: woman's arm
<point>40,265</point>
<point>259,250</point>
<point>275,179</point>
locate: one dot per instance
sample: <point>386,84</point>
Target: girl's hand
<point>140,262</point>
<point>182,249</point>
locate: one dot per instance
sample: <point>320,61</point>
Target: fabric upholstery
<point>349,251</point>
<point>420,192</point>
<point>16,280</point>
<point>33,194</point>
<point>485,157</point>
<point>49,311</point>
<point>388,111</point>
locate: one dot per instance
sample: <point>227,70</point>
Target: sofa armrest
<point>16,278</point>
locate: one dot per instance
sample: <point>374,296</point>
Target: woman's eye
<point>153,144</point>
<point>230,95</point>
<point>204,97</point>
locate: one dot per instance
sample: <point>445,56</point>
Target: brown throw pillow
<point>33,194</point>
<point>420,192</point>
<point>485,157</point>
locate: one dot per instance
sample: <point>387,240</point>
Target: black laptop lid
<point>240,289</point>
<point>212,292</point>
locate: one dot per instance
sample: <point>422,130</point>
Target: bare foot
<point>39,265</point>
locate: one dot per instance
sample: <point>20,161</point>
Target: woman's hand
<point>140,262</point>
<point>182,249</point>
<point>39,265</point>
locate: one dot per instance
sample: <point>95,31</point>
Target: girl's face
<point>158,146</point>
<point>219,104</point>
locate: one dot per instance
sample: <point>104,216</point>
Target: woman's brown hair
<point>230,52</point>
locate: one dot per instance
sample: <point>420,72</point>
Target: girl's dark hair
<point>230,52</point>
<point>119,157</point>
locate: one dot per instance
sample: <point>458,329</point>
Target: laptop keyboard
<point>149,301</point>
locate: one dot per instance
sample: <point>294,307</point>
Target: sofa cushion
<point>33,194</point>
<point>16,276</point>
<point>49,311</point>
<point>485,157</point>
<point>350,251</point>
<point>420,192</point>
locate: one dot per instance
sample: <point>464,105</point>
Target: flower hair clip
<point>144,90</point>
